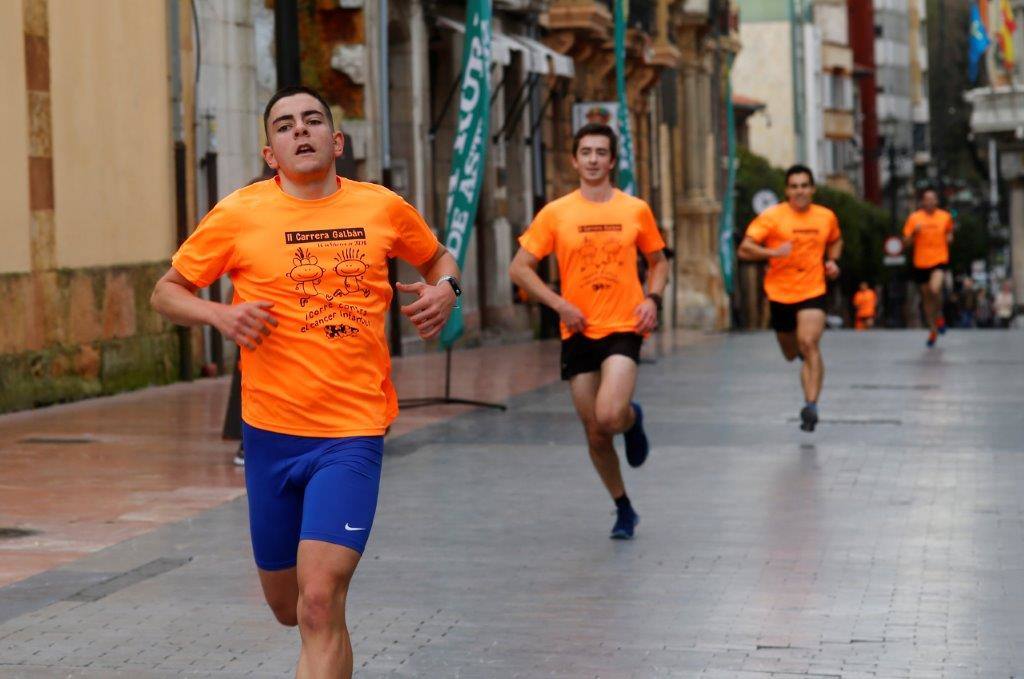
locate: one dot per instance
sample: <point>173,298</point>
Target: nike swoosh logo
<point>348,527</point>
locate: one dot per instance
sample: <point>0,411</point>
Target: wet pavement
<point>887,544</point>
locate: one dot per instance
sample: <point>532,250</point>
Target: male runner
<point>864,301</point>
<point>795,237</point>
<point>930,231</point>
<point>307,254</point>
<point>595,233</point>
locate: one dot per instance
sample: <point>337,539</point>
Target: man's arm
<point>431,310</point>
<point>832,252</point>
<point>750,251</point>
<point>657,277</point>
<point>246,324</point>
<point>523,272</point>
<point>910,234</point>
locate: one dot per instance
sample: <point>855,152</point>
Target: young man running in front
<point>307,254</point>
<point>801,243</point>
<point>929,231</point>
<point>595,233</point>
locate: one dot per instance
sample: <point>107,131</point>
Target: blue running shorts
<point>307,488</point>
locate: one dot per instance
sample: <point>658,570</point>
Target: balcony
<point>838,124</point>
<point>996,109</point>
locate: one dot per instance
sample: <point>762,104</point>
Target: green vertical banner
<point>624,174</point>
<point>470,153</point>
<point>726,256</point>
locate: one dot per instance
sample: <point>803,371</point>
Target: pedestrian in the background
<point>983,316</point>
<point>1003,305</point>
<point>968,302</point>
<point>865,301</point>
<point>930,231</point>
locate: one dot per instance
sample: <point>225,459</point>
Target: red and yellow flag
<point>1005,37</point>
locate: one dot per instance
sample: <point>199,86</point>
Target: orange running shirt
<point>864,301</point>
<point>930,245</point>
<point>596,246</point>
<point>801,275</point>
<point>325,369</point>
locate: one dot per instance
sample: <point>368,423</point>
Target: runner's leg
<point>618,381</point>
<point>281,591</point>
<point>810,325</point>
<point>934,286</point>
<point>788,344</point>
<point>584,389</point>
<point>324,573</point>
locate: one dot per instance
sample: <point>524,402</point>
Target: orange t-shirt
<point>801,275</point>
<point>864,301</point>
<point>596,246</point>
<point>325,369</point>
<point>930,245</point>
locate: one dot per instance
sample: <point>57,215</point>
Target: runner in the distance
<point>308,253</point>
<point>595,232</point>
<point>865,302</point>
<point>929,230</point>
<point>802,243</point>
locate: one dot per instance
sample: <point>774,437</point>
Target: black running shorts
<point>784,315</point>
<point>580,354</point>
<point>922,276</point>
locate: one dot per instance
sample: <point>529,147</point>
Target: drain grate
<point>10,533</point>
<point>896,387</point>
<point>59,440</point>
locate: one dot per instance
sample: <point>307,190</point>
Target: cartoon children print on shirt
<point>306,273</point>
<point>600,255</point>
<point>352,268</point>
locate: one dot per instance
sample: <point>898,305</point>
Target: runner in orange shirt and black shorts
<point>930,231</point>
<point>865,302</point>
<point>307,253</point>
<point>595,233</point>
<point>801,242</point>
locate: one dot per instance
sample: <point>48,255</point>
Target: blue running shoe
<point>625,524</point>
<point>636,440</point>
<point>808,417</point>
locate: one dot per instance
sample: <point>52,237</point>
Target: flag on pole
<point>978,43</point>
<point>624,174</point>
<point>471,142</point>
<point>1006,28</point>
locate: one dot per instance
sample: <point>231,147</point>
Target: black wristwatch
<point>657,299</point>
<point>452,281</point>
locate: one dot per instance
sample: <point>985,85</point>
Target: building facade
<point>798,60</point>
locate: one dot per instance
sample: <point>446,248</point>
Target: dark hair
<point>920,194</point>
<point>596,128</point>
<point>799,169</point>
<point>291,92</point>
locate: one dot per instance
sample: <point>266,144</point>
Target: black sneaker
<point>637,447</point>
<point>625,524</point>
<point>239,457</point>
<point>808,418</point>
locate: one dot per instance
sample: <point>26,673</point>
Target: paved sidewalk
<point>887,544</point>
